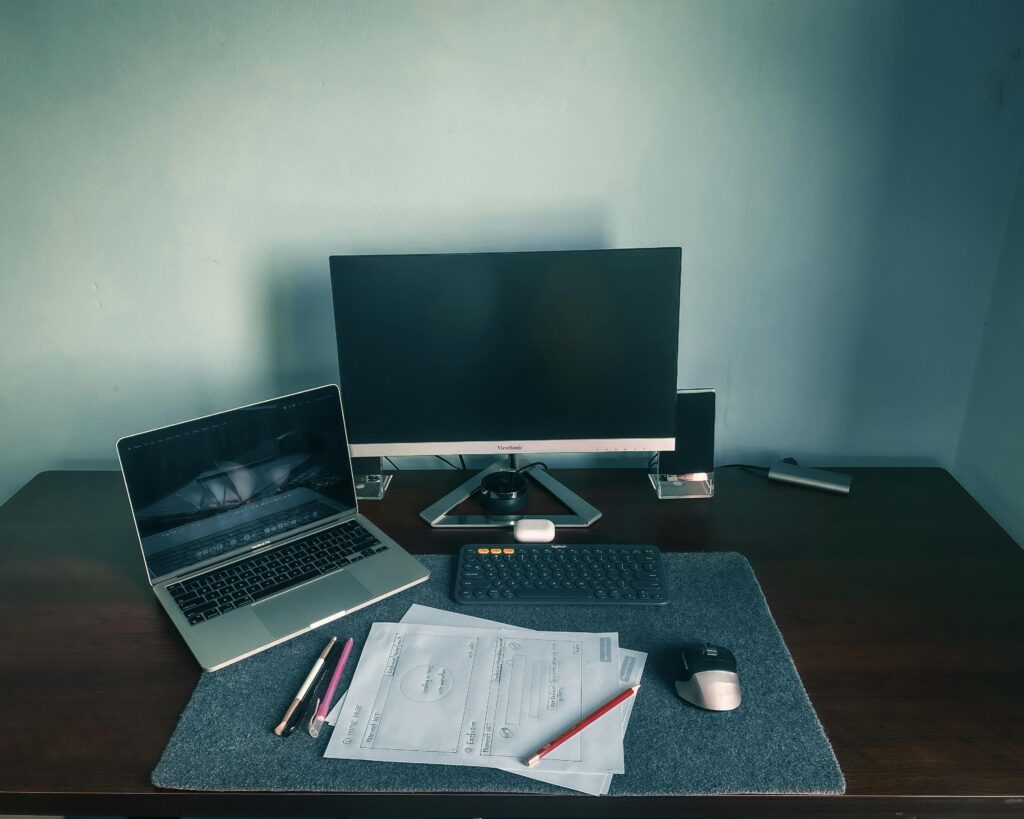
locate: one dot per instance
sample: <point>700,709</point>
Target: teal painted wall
<point>990,457</point>
<point>173,176</point>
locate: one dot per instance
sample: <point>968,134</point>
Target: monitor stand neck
<point>582,513</point>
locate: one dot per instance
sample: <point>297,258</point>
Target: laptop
<point>249,525</point>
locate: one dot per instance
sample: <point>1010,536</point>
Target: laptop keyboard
<point>252,579</point>
<point>178,557</point>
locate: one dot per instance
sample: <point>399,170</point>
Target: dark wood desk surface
<point>902,604</point>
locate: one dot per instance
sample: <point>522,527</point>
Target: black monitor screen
<point>573,347</point>
<point>236,480</point>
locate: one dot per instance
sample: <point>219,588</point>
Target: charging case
<point>534,531</point>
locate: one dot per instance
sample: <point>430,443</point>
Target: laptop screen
<point>231,482</point>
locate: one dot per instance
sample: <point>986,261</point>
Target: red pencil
<point>579,726</point>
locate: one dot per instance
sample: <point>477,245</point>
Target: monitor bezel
<point>513,446</point>
<point>382,450</point>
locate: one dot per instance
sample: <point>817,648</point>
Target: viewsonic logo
<point>510,448</point>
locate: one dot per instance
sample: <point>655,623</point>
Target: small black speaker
<point>695,435</point>
<point>367,466</point>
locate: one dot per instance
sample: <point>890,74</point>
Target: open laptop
<point>249,525</point>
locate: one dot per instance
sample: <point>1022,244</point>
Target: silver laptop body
<point>217,499</point>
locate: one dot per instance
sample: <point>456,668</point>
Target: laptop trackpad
<point>295,610</point>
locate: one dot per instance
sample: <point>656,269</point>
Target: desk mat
<point>772,743</point>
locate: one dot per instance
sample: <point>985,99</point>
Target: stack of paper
<point>448,689</point>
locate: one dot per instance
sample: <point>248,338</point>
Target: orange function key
<point>495,551</point>
<point>483,551</point>
<point>508,551</point>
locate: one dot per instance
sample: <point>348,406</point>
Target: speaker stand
<point>583,514</point>
<point>678,487</point>
<point>372,487</point>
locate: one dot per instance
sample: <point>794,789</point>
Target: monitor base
<point>583,514</point>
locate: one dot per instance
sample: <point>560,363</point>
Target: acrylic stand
<point>372,487</point>
<point>678,487</point>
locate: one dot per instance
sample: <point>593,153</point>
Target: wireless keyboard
<point>563,573</point>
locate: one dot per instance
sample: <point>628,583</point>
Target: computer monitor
<point>554,351</point>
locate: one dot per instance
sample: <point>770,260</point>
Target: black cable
<point>462,461</point>
<point>743,466</point>
<point>531,466</point>
<point>393,464</point>
<point>442,458</point>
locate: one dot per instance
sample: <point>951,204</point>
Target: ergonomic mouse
<point>709,678</point>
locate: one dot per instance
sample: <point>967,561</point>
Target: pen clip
<point>314,724</point>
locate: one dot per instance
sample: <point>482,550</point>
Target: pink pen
<point>324,708</point>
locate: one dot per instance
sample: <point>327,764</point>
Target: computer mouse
<point>709,678</point>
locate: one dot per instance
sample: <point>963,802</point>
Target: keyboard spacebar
<point>284,584</point>
<point>554,594</point>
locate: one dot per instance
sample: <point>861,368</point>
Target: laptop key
<point>286,584</point>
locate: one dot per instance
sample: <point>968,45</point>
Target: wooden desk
<point>901,604</point>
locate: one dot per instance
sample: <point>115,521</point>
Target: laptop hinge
<point>231,557</point>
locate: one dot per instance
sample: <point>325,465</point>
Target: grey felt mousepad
<point>772,743</point>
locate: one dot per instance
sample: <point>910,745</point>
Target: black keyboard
<point>230,540</point>
<point>534,573</point>
<point>254,578</point>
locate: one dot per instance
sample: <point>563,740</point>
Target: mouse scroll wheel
<point>710,650</point>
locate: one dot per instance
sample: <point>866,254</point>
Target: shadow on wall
<point>300,316</point>
<point>302,352</point>
<point>925,254</point>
